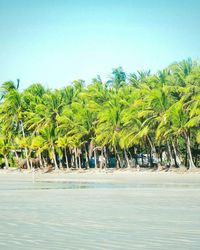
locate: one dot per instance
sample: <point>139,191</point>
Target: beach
<point>112,175</point>
<point>99,210</point>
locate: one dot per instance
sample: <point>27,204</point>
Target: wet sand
<point>98,210</point>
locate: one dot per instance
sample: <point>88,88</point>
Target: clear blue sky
<point>57,41</point>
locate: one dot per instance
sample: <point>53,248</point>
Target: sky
<point>54,42</point>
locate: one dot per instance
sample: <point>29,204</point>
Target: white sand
<point>124,210</point>
<point>148,176</point>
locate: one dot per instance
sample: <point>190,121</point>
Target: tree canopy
<point>131,120</point>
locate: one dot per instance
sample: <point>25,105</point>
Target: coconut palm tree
<point>109,124</point>
<point>118,78</point>
<point>5,147</point>
<point>12,112</point>
<point>127,115</point>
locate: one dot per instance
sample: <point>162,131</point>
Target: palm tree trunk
<point>118,158</point>
<point>86,158</point>
<point>161,156</point>
<point>40,160</point>
<point>106,157</point>
<point>60,163</point>
<point>171,160</point>
<point>27,159</point>
<point>31,163</point>
<point>177,159</point>
<point>101,159</point>
<point>153,152</point>
<point>189,153</point>
<point>16,155</point>
<point>26,150</point>
<point>91,147</point>
<point>196,155</point>
<point>66,158</point>
<point>72,155</point>
<point>73,160</point>
<point>150,158</point>
<point>75,155</point>
<point>45,162</point>
<point>79,161</point>
<point>54,158</point>
<point>126,158</point>
<point>130,157</point>
<point>6,161</point>
<point>95,159</point>
<point>136,160</point>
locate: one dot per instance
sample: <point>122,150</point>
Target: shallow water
<point>99,215</point>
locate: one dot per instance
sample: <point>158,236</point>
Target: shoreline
<point>105,171</point>
<point>91,175</point>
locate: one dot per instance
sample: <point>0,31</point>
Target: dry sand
<point>125,176</point>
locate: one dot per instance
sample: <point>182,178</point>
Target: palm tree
<point>42,119</point>
<point>47,141</point>
<point>109,124</point>
<point>127,115</point>
<point>178,117</point>
<point>5,147</point>
<point>12,111</point>
<point>118,78</point>
<point>7,87</point>
<point>182,70</point>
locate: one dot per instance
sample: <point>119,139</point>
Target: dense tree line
<point>130,116</point>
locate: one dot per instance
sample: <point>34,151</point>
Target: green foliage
<point>140,110</point>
